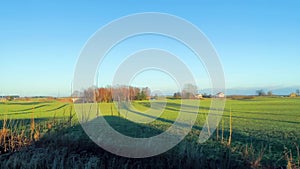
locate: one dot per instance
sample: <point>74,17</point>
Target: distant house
<point>77,100</point>
<point>2,99</point>
<point>220,95</point>
<point>199,96</point>
<point>9,98</point>
<point>293,95</point>
<point>13,97</point>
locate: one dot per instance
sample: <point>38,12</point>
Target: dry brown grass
<point>13,137</point>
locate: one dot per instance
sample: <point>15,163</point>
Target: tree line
<point>261,92</point>
<point>189,91</point>
<point>110,94</point>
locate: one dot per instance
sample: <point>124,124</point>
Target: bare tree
<point>189,91</point>
<point>89,95</point>
<point>270,93</point>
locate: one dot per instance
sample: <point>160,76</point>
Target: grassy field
<point>46,134</point>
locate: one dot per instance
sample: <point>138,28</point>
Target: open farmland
<point>265,134</point>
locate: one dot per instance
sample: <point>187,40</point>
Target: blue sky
<point>258,42</point>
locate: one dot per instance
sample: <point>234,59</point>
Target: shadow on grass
<point>259,140</point>
<point>70,147</point>
<point>131,129</point>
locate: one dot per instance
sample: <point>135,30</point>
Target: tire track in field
<point>57,108</point>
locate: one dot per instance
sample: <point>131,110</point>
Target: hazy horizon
<point>229,91</point>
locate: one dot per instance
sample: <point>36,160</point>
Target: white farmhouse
<point>220,95</point>
<point>198,96</point>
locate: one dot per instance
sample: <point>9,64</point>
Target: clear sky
<point>258,42</point>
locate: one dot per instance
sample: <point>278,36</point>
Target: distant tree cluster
<point>260,92</point>
<point>263,93</point>
<point>270,93</point>
<point>109,94</point>
<point>177,95</point>
<point>10,98</point>
<point>189,92</point>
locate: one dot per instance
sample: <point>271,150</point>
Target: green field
<point>265,134</point>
